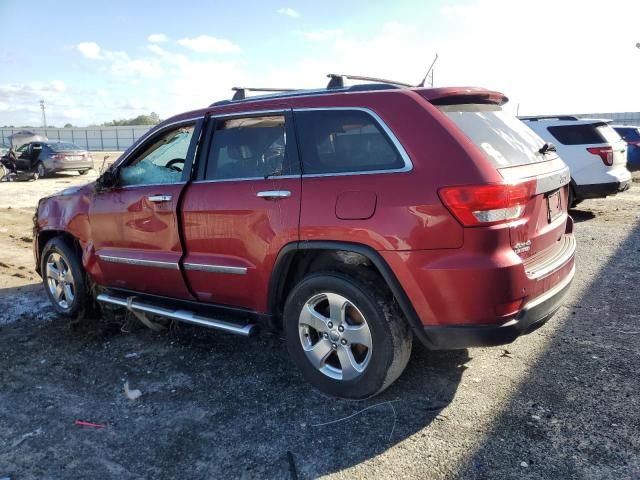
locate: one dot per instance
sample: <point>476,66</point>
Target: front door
<point>242,208</point>
<point>134,225</point>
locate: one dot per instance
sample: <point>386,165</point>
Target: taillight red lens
<point>480,205</point>
<point>58,156</point>
<point>605,153</point>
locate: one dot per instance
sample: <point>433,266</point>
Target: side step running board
<point>186,316</point>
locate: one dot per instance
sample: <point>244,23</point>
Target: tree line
<point>152,119</point>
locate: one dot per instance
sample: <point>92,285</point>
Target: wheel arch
<point>45,236</point>
<point>287,266</point>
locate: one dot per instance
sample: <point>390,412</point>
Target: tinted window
<point>248,148</point>
<point>501,137</point>
<point>577,134</point>
<point>338,141</point>
<point>161,160</point>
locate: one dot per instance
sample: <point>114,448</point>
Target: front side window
<point>343,141</point>
<point>248,147</point>
<point>161,160</point>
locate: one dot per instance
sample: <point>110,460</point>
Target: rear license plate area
<point>554,206</point>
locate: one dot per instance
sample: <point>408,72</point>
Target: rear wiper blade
<point>547,147</point>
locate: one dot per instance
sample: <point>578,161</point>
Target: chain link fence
<point>92,138</point>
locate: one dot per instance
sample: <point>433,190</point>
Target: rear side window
<point>584,134</point>
<point>248,147</point>
<point>502,138</point>
<point>344,141</point>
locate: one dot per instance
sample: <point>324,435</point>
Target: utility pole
<point>44,116</point>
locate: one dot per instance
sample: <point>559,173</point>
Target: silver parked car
<point>49,157</point>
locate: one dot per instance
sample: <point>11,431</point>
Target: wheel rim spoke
<point>358,334</point>
<point>319,352</point>
<point>337,305</point>
<point>350,368</point>
<point>68,293</point>
<point>313,319</point>
<point>57,293</point>
<point>52,272</point>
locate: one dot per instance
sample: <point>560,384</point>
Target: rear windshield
<point>584,134</point>
<point>503,139</point>
<point>63,146</point>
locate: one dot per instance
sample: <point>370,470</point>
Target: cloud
<point>322,35</point>
<point>89,50</point>
<point>157,38</point>
<point>208,44</point>
<point>289,12</point>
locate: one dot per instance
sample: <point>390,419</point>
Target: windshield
<point>63,146</point>
<point>504,140</point>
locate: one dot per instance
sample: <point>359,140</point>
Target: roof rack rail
<point>337,80</point>
<point>241,92</point>
<point>535,118</point>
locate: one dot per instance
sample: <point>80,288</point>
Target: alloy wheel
<point>335,336</point>
<point>60,280</point>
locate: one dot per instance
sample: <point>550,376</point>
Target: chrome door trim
<point>202,267</point>
<point>245,179</point>
<point>138,262</point>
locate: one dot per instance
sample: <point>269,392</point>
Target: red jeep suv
<point>354,218</point>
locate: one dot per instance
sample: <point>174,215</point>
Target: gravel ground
<point>561,402</point>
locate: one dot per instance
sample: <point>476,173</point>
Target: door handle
<point>159,198</point>
<point>274,194</point>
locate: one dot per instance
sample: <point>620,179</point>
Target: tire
<point>3,173</point>
<point>83,172</point>
<point>59,256</point>
<point>41,172</point>
<point>370,317</point>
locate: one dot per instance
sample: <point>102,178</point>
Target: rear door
<point>243,207</point>
<point>134,226</point>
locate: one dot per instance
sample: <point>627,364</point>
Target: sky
<point>93,62</point>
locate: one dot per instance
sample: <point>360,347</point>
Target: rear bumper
<point>534,315</point>
<point>599,190</point>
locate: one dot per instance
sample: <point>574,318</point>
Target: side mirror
<point>108,179</point>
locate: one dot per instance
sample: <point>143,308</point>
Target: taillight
<point>605,153</point>
<point>58,156</point>
<point>481,205</point>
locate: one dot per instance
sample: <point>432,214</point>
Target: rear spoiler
<point>462,95</point>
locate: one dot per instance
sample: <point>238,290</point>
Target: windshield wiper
<point>547,147</point>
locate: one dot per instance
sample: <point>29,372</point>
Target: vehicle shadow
<point>581,215</point>
<point>212,405</point>
<point>575,415</point>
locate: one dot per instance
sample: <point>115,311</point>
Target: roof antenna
<point>429,72</point>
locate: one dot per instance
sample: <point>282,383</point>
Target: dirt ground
<point>561,402</point>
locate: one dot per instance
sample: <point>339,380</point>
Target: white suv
<point>594,152</point>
